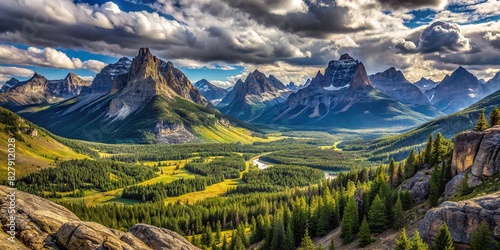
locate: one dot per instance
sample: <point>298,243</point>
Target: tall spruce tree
<point>350,221</point>
<point>410,168</point>
<point>481,239</point>
<point>403,243</point>
<point>332,244</point>
<point>443,240</point>
<point>398,214</point>
<point>481,124</point>
<point>428,151</point>
<point>391,170</point>
<point>495,117</point>
<point>377,215</point>
<point>417,243</point>
<point>434,192</point>
<point>364,235</point>
<point>306,243</point>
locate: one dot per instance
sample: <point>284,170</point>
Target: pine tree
<point>391,170</point>
<point>350,221</point>
<point>439,149</point>
<point>417,243</point>
<point>364,235</point>
<point>306,243</point>
<point>410,168</point>
<point>464,185</point>
<point>481,239</point>
<point>495,117</point>
<point>434,193</point>
<point>289,238</point>
<point>428,151</point>
<point>377,215</point>
<point>207,238</point>
<point>403,243</point>
<point>218,232</point>
<point>481,124</point>
<point>278,240</point>
<point>443,240</point>
<point>320,247</point>
<point>332,244</point>
<point>398,214</point>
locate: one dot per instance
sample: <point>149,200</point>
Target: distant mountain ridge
<point>251,98</point>
<point>343,96</point>
<point>211,92</point>
<point>393,83</point>
<point>39,90</point>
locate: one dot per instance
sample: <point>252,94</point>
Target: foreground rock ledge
<point>42,224</point>
<point>463,218</point>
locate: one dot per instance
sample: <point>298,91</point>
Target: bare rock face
<point>90,235</point>
<point>42,224</point>
<point>479,152</point>
<point>160,238</point>
<point>173,133</point>
<point>463,218</point>
<point>37,219</point>
<point>466,147</point>
<point>419,185</point>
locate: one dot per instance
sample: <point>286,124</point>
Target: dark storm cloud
<point>410,4</point>
<point>319,21</point>
<point>442,36</point>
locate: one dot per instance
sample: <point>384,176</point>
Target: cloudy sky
<point>224,40</point>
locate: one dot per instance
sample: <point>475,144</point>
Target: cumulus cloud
<point>47,57</point>
<point>412,4</point>
<point>8,72</point>
<point>493,38</point>
<point>443,36</point>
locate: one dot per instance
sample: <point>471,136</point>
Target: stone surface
<point>463,218</point>
<point>160,238</point>
<point>419,185</point>
<point>478,153</point>
<point>37,219</point>
<point>42,224</point>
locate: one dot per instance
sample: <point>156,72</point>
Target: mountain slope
<point>153,102</point>
<point>457,91</point>
<point>251,98</point>
<point>425,84</point>
<point>343,97</point>
<point>38,90</point>
<point>393,83</point>
<point>211,92</point>
<point>448,125</point>
<point>35,149</point>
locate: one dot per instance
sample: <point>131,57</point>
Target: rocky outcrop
<point>463,218</point>
<point>103,81</point>
<point>42,224</point>
<point>419,185</point>
<point>211,92</point>
<point>477,152</point>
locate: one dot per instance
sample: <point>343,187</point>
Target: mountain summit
<point>342,97</point>
<point>151,102</point>
<point>211,92</point>
<point>393,83</point>
<point>250,98</point>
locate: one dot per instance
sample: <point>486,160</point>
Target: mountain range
<point>146,100</point>
<point>211,92</point>
<point>249,99</point>
<point>344,96</point>
<point>38,90</point>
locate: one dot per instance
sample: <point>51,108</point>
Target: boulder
<point>419,185</point>
<point>463,218</point>
<point>42,224</point>
<point>37,219</point>
<point>466,148</point>
<point>90,235</point>
<point>160,238</point>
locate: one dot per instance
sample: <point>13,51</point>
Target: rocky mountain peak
<point>360,78</point>
<point>9,84</point>
<point>346,56</point>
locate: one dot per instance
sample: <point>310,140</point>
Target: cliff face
<point>479,154</point>
<point>463,218</point>
<point>42,224</point>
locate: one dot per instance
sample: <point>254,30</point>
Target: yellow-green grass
<point>35,153</point>
<point>334,147</point>
<point>98,198</point>
<point>230,134</point>
<point>218,189</point>
<point>227,233</point>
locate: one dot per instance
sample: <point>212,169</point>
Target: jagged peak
<point>36,75</point>
<point>346,56</point>
<point>144,52</point>
<point>124,59</point>
<point>71,75</point>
